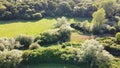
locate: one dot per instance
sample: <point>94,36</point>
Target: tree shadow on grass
<point>77,19</point>
<point>3,22</point>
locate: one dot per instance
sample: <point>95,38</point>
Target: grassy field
<point>16,27</point>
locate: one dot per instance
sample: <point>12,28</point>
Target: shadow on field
<point>2,22</point>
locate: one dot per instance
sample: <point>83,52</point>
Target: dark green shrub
<point>34,46</point>
<point>110,45</point>
<point>107,41</point>
<point>7,15</point>
<point>37,16</point>
<point>2,47</point>
<point>48,37</point>
<point>65,34</point>
<point>37,38</point>
<point>84,26</point>
<point>118,37</point>
<point>112,30</point>
<point>70,44</point>
<point>49,55</point>
<point>24,40</point>
<point>66,44</point>
<point>25,55</point>
<point>53,36</point>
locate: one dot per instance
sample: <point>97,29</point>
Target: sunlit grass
<point>13,28</point>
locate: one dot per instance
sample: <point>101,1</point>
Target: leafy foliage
<point>61,22</point>
<point>52,36</point>
<point>108,6</point>
<point>98,20</point>
<point>24,40</point>
<point>93,54</point>
<point>36,9</point>
<point>10,59</point>
<point>50,54</point>
<point>118,37</point>
<point>9,44</point>
<point>34,46</point>
<point>110,44</point>
<point>84,26</point>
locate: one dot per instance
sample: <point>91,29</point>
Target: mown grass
<point>31,27</point>
<point>16,27</point>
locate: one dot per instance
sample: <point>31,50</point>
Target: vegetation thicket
<point>52,42</point>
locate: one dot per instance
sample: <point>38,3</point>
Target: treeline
<point>36,9</point>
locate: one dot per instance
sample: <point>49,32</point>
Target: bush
<point>110,45</point>
<point>93,54</point>
<point>48,37</point>
<point>24,40</point>
<point>70,44</point>
<point>60,22</point>
<point>37,16</point>
<point>85,26</point>
<point>98,20</point>
<point>118,37</point>
<point>119,23</point>
<point>65,34</point>
<point>49,55</point>
<point>10,59</point>
<point>53,36</point>
<point>25,55</point>
<point>9,44</point>
<point>112,30</point>
<point>34,46</point>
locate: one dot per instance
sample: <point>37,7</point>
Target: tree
<point>64,8</point>
<point>60,22</point>
<point>98,20</point>
<point>93,54</point>
<point>10,59</point>
<point>80,11</point>
<point>2,9</point>
<point>108,6</point>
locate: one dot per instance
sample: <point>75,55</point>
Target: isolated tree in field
<point>98,20</point>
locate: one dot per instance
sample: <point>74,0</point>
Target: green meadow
<point>13,28</point>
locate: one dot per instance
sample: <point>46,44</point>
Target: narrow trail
<point>79,37</point>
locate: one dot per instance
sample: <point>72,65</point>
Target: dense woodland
<point>55,45</point>
<point>36,9</point>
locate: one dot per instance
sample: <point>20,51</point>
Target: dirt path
<point>78,37</point>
